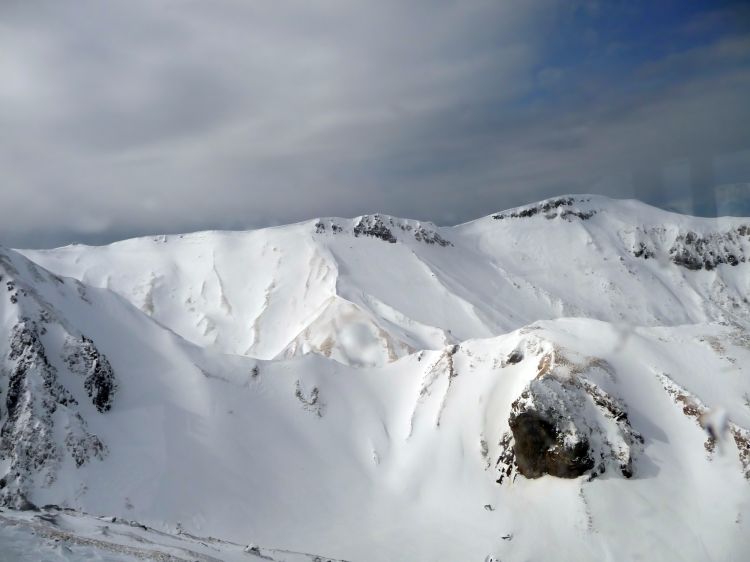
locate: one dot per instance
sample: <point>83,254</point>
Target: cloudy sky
<point>132,117</point>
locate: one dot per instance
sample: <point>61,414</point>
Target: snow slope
<point>57,534</point>
<point>402,285</point>
<point>354,388</point>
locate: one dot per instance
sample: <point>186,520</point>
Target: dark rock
<point>563,424</point>
<point>82,445</point>
<point>35,399</point>
<point>378,226</point>
<point>695,251</point>
<point>421,234</point>
<point>582,215</point>
<point>27,433</point>
<point>47,518</point>
<point>83,358</point>
<point>514,357</point>
<point>311,403</point>
<point>643,251</point>
<point>375,226</point>
<point>23,504</point>
<point>553,208</point>
<point>540,449</point>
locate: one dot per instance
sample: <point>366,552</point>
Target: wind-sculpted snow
<point>538,387</point>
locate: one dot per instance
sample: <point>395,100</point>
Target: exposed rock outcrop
<point>542,446</point>
<point>692,250</point>
<point>27,436</point>
<point>383,227</point>
<point>375,226</point>
<point>35,401</point>
<point>311,402</point>
<point>422,234</point>
<point>693,407</point>
<point>565,425</point>
<point>40,417</point>
<point>82,358</point>
<point>563,208</point>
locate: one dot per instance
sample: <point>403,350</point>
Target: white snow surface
<point>315,389</point>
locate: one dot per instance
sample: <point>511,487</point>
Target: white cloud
<point>165,116</point>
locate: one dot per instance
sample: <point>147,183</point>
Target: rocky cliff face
<point>565,425</point>
<point>82,358</point>
<point>41,420</point>
<point>695,251</point>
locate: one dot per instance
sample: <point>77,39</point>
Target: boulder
<point>541,448</point>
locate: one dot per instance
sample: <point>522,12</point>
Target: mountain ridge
<point>578,197</point>
<point>374,400</point>
<point>297,271</point>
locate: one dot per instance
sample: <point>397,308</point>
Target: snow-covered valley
<point>568,380</point>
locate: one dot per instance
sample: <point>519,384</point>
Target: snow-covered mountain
<point>565,380</point>
<point>376,288</point>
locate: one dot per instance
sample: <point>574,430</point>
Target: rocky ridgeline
<point>563,424</point>
<point>383,228</point>
<point>697,251</point>
<point>36,408</point>
<point>562,208</point>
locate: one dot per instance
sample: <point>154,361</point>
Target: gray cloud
<point>125,118</point>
